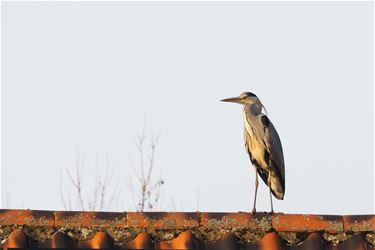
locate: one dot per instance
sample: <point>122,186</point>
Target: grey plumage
<point>263,145</point>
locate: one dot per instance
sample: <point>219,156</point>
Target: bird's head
<point>244,98</point>
<point>247,98</point>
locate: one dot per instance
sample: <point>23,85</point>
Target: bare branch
<point>103,193</point>
<point>149,189</point>
<point>61,193</point>
<point>79,165</point>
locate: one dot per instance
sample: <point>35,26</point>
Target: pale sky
<point>91,73</point>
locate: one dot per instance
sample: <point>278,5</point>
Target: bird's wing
<point>262,173</point>
<point>264,131</point>
<point>262,134</point>
<point>272,144</point>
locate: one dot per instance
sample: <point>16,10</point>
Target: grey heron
<point>263,145</point>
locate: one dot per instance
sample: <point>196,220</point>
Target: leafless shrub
<point>148,189</point>
<point>101,197</point>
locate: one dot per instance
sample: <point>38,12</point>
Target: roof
<point>196,230</point>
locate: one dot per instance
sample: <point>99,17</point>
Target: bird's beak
<point>233,99</point>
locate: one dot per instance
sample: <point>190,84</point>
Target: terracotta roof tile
<point>185,240</point>
<point>16,239</point>
<point>196,231</point>
<point>28,217</point>
<point>270,241</point>
<point>101,240</point>
<point>312,242</point>
<point>162,220</point>
<point>227,241</point>
<point>308,223</point>
<point>354,243</point>
<point>71,219</point>
<point>141,241</point>
<point>259,221</point>
<point>359,223</point>
<point>58,240</point>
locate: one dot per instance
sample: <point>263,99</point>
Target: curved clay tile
<point>58,240</point>
<point>16,239</point>
<point>142,241</point>
<point>270,241</point>
<point>313,242</point>
<point>228,242</point>
<point>355,242</point>
<point>101,240</point>
<point>184,241</point>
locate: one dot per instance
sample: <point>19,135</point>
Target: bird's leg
<point>269,186</point>
<point>271,202</point>
<point>256,189</point>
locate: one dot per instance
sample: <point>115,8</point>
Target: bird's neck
<point>254,108</point>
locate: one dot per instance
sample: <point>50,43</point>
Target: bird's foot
<point>254,211</point>
<point>272,212</point>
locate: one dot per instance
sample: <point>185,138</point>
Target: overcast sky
<point>92,73</point>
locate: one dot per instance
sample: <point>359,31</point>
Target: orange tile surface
<point>308,223</point>
<point>29,229</point>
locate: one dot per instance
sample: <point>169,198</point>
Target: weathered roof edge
<point>126,227</point>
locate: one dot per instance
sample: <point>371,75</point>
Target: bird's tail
<point>277,187</point>
<point>277,182</point>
